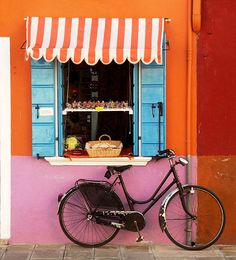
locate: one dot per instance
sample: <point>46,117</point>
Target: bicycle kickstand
<point>140,237</point>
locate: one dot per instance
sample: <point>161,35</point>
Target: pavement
<point>143,251</point>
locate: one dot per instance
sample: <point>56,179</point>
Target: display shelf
<point>128,109</point>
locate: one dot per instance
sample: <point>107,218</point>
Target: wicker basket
<point>104,148</point>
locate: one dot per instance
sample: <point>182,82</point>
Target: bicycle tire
<point>73,214</point>
<point>188,233</point>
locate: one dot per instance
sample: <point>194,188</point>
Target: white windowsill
<point>111,161</point>
<point>128,109</point>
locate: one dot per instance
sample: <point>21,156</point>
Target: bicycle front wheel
<point>201,231</point>
<point>77,214</point>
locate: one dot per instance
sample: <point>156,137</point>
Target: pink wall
<point>36,185</point>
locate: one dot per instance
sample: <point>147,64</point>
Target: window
<point>106,88</point>
<point>66,99</point>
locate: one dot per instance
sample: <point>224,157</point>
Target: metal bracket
<point>37,107</point>
<point>160,107</point>
<point>22,47</point>
<point>167,44</point>
<point>153,107</point>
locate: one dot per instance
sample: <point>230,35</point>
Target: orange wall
<point>12,13</point>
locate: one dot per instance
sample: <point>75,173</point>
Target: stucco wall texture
<point>216,106</point>
<point>36,186</point>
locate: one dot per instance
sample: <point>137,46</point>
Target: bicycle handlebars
<point>162,154</point>
<point>168,152</point>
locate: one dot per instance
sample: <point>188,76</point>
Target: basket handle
<point>109,138</point>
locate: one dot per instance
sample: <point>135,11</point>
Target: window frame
<point>137,117</point>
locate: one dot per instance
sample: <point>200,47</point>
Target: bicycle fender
<point>61,197</point>
<point>162,211</point>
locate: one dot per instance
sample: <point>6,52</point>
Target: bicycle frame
<point>96,205</point>
<point>155,196</point>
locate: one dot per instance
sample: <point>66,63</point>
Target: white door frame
<point>5,140</point>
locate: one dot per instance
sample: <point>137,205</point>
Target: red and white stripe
<point>94,39</point>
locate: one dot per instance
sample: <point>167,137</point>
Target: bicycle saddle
<point>112,169</point>
<point>119,168</point>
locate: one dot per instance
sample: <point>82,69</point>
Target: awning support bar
<point>167,20</point>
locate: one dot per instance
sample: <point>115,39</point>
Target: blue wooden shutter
<point>153,92</point>
<point>135,110</point>
<point>60,110</point>
<point>43,108</point>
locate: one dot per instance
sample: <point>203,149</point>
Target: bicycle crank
<point>134,221</point>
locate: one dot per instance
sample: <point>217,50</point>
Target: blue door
<point>43,108</point>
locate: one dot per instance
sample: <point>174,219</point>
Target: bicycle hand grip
<point>168,152</point>
<point>163,152</point>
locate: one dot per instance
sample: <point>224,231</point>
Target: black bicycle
<point>91,213</point>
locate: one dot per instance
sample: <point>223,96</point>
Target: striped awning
<point>94,39</point>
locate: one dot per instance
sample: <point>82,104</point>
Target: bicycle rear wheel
<point>77,214</point>
<point>198,233</point>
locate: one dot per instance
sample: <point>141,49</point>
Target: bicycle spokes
<point>194,232</point>
<point>77,215</point>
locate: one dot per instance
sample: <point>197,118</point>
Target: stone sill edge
<point>115,161</point>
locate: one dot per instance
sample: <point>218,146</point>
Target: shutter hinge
<point>38,156</point>
<point>139,138</point>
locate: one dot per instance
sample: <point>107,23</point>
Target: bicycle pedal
<point>140,239</point>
